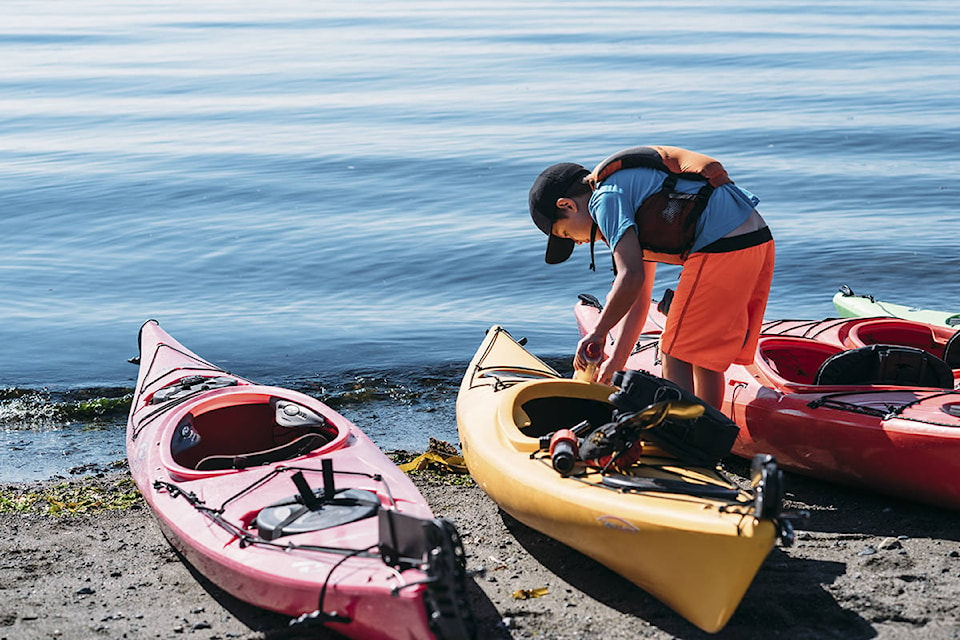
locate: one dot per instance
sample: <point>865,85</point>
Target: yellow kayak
<point>687,535</point>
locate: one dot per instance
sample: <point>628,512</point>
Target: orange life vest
<point>667,220</point>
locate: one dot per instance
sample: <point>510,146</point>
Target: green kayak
<point>851,305</point>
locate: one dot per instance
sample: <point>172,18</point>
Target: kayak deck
<point>688,535</point>
<point>844,422</point>
<point>287,505</point>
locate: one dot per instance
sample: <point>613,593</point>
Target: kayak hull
<point>697,555</point>
<point>188,415</point>
<point>904,441</point>
<point>851,305</point>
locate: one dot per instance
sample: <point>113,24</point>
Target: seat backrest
<point>294,449</point>
<point>951,352</point>
<point>886,365</point>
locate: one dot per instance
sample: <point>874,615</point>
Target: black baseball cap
<point>552,184</point>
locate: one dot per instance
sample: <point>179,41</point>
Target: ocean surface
<point>333,196</point>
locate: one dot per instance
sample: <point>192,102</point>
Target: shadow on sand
<point>788,594</point>
<point>275,626</point>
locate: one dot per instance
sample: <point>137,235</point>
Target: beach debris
<point>439,456</point>
<point>526,594</point>
<point>867,551</point>
<point>69,498</point>
<point>889,543</point>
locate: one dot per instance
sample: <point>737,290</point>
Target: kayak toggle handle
<point>318,618</point>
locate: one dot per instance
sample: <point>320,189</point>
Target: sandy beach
<point>864,566</point>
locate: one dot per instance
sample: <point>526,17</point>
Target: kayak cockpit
<point>539,408</point>
<point>548,414</point>
<point>246,427</point>
<point>791,360</point>
<point>941,342</point>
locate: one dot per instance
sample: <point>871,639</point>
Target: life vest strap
<point>667,219</point>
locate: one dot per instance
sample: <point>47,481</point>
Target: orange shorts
<point>717,311</point>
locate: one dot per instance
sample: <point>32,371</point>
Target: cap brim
<point>558,249</point>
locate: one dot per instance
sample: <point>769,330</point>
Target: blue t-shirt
<point>614,204</point>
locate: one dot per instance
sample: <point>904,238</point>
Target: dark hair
<point>579,188</point>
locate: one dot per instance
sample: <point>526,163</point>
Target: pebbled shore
<point>864,566</point>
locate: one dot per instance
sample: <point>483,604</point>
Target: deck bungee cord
<point>241,479</point>
<point>244,536</point>
<point>180,391</point>
<point>615,461</point>
<point>832,401</point>
<point>559,455</point>
<point>441,553</point>
<point>764,499</point>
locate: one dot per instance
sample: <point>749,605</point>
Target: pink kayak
<point>287,505</point>
<point>819,408</point>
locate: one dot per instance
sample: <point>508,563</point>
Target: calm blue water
<point>333,195</point>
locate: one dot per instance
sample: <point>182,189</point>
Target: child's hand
<point>609,367</point>
<point>580,360</point>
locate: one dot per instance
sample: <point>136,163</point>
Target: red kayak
<point>287,505</point>
<point>879,416</point>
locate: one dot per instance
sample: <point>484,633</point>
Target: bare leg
<point>679,372</point>
<point>709,385</point>
<point>705,384</point>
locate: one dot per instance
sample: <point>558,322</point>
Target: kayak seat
<point>248,434</point>
<point>793,358</point>
<point>886,364</point>
<point>552,413</point>
<point>293,449</point>
<point>951,352</point>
